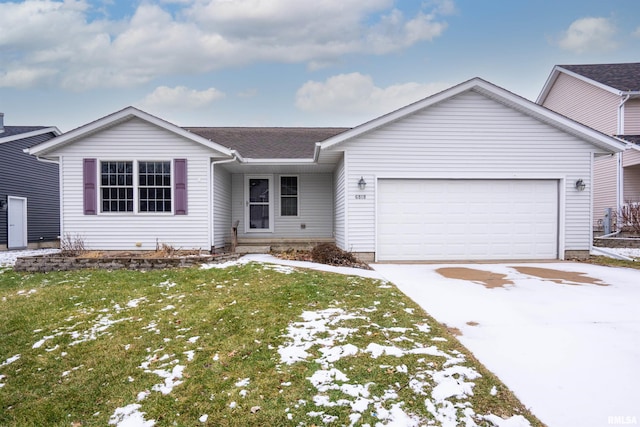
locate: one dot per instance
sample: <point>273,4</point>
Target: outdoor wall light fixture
<point>3,205</point>
<point>362,183</point>
<point>580,185</point>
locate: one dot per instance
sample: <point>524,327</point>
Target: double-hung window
<point>145,184</point>
<point>116,186</point>
<point>289,196</point>
<point>154,186</point>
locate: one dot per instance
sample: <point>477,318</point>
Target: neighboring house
<point>474,172</point>
<point>605,97</point>
<point>29,192</point>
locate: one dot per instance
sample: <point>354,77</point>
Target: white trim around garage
<point>554,188</point>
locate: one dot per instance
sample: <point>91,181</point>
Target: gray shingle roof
<point>17,130</point>
<point>635,139</point>
<point>268,142</point>
<point>623,77</point>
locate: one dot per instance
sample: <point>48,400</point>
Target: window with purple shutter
<point>180,186</point>
<point>89,173</point>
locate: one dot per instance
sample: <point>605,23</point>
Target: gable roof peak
<point>491,91</point>
<point>120,116</point>
<point>623,77</point>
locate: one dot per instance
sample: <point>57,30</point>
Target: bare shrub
<point>328,253</point>
<point>72,245</point>
<point>628,219</point>
<point>165,249</point>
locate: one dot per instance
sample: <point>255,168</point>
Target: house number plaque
<point>361,196</point>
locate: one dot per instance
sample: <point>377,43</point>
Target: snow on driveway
<point>567,344</point>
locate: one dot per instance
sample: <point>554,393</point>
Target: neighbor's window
<point>116,186</point>
<point>289,196</point>
<point>154,186</point>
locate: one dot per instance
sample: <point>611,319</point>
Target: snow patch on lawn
<point>10,360</point>
<point>445,391</point>
<point>130,416</point>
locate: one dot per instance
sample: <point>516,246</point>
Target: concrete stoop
<point>253,249</point>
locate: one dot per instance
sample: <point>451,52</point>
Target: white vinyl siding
<point>339,206</point>
<point>221,207</point>
<point>467,219</point>
<point>632,117</point>
<point>585,103</point>
<point>604,187</point>
<point>134,140</point>
<point>315,208</point>
<point>468,136</point>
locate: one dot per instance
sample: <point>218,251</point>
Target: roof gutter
<point>43,160</point>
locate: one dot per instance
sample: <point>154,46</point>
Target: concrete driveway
<point>565,337</point>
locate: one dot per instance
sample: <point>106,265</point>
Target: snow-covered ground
<point>567,344</point>
<point>568,349</point>
<point>8,258</point>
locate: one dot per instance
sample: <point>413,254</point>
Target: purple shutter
<point>89,173</point>
<point>180,186</point>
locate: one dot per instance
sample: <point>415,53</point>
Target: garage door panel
<point>467,219</point>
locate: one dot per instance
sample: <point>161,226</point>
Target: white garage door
<point>467,219</point>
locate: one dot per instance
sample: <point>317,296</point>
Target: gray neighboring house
<point>29,190</point>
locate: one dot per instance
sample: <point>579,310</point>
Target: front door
<point>17,219</point>
<point>259,204</point>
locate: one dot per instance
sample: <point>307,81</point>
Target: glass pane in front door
<point>258,203</point>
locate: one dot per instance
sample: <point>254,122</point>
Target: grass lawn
<point>250,344</point>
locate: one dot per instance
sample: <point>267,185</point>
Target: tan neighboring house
<point>605,97</point>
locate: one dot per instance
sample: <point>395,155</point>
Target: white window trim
<point>247,224</point>
<point>297,177</point>
<point>136,186</point>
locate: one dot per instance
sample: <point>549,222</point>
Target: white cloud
<point>198,36</point>
<point>248,93</point>
<point>357,93</point>
<point>25,77</point>
<point>636,33</point>
<point>180,97</point>
<point>589,35</point>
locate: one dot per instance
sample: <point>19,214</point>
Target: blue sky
<point>287,62</point>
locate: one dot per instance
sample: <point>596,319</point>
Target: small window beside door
<point>288,196</point>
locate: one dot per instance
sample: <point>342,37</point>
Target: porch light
<point>3,205</point>
<point>580,185</point>
<point>362,183</point>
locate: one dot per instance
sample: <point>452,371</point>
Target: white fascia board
<point>591,82</point>
<point>553,76</point>
<point>556,72</point>
<point>119,116</point>
<point>316,151</point>
<point>25,135</point>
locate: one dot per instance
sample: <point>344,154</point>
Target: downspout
<point>619,162</point>
<point>212,222</point>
